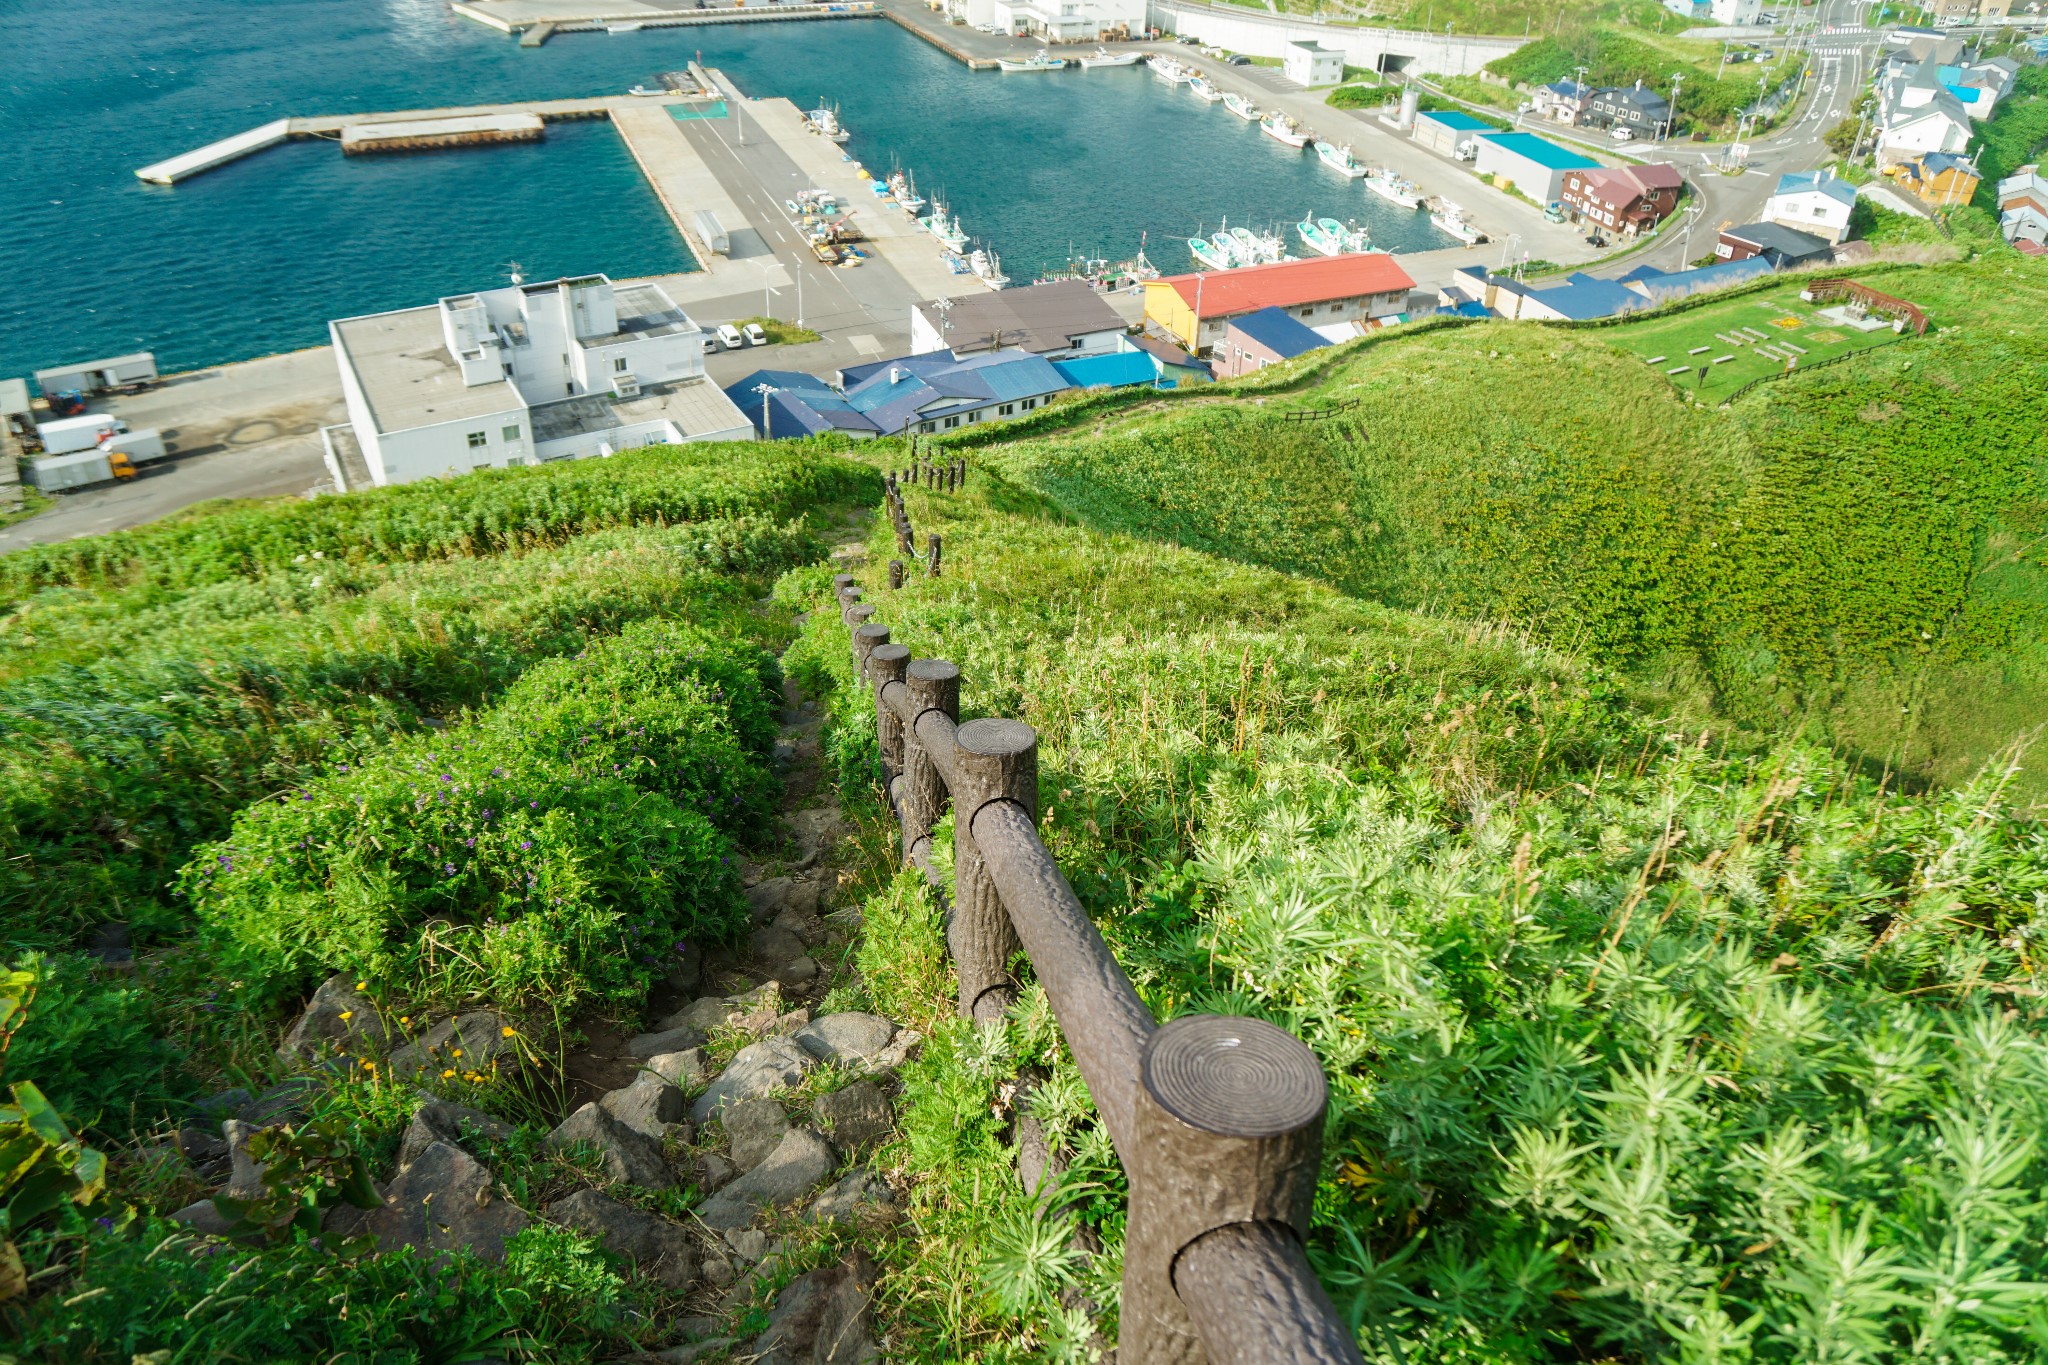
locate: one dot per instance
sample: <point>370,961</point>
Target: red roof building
<point>1367,287</point>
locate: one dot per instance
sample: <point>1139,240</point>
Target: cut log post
<point>934,542</point>
<point>1229,1130</point>
<point>886,664</point>
<point>997,760</point>
<point>933,685</point>
<point>895,573</point>
<point>865,638</point>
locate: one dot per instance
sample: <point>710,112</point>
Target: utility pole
<point>1671,123</point>
<point>767,431</point>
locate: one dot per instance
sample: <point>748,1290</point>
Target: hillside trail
<point>745,1089</point>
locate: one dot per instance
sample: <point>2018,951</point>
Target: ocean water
<point>257,256</point>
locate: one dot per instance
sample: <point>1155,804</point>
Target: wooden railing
<point>1218,1121</point>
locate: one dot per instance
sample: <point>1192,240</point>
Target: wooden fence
<point>1218,1121</point>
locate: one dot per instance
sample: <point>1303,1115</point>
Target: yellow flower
<point>449,1072</point>
<point>369,1065</point>
<point>348,1014</point>
<point>405,1018</point>
<point>505,1032</point>
<point>362,985</point>
<point>455,1052</point>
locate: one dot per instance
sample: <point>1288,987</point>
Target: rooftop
<point>1278,332</point>
<point>1548,155</point>
<point>1289,283</point>
<point>408,378</point>
<point>1042,317</point>
<point>1452,118</point>
<point>1660,286</point>
<point>1108,371</point>
<point>645,310</point>
<point>696,406</point>
<point>1777,237</point>
<point>1582,297</point>
<point>1824,182</point>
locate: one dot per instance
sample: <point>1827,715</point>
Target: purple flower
<point>526,843</point>
<point>449,866</point>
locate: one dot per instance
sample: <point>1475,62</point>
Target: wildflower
<point>362,985</point>
<point>346,1015</point>
<point>455,1052</point>
<point>505,1032</point>
<point>369,1065</point>
<point>449,1072</point>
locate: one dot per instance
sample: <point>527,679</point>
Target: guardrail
<point>1218,1121</point>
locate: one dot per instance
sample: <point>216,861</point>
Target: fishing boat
<point>903,189</point>
<point>1242,107</point>
<point>1272,247</point>
<point>946,229</point>
<point>1169,70</point>
<point>1227,248</point>
<point>1283,128</point>
<point>1207,253</point>
<point>825,123</point>
<point>1250,250</point>
<point>1134,272</point>
<point>1389,186</point>
<point>1340,160</point>
<point>625,26</point>
<point>1450,218</point>
<point>1104,57</point>
<point>1330,237</point>
<point>1040,60</point>
<point>1200,88</point>
<point>988,267</point>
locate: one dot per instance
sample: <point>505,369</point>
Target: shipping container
<point>83,469</point>
<point>712,232</point>
<point>97,376</point>
<point>67,434</point>
<point>139,446</point>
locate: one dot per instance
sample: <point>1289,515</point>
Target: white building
<point>1817,202</point>
<point>1313,64</point>
<point>1055,21</point>
<point>1907,132</point>
<point>1736,11</point>
<point>522,375</point>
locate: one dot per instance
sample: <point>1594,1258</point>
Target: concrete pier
<point>584,16</point>
<point>678,175</point>
<point>362,139</point>
<point>174,169</point>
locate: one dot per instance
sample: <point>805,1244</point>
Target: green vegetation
<point>2014,134</point>
<point>1470,90</point>
<point>780,332</point>
<point>1515,17</point>
<point>1709,95</point>
<point>33,500</point>
<point>1668,342</point>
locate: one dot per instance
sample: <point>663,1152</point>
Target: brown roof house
<point>1623,199</point>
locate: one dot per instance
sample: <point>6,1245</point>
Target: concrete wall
<point>1267,35</point>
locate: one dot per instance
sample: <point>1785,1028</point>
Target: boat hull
<point>1339,160</point>
<point>1242,107</point>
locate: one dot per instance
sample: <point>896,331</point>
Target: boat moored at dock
<point>1328,237</point>
<point>988,267</point>
<point>1200,88</point>
<point>1340,160</point>
<point>1038,61</point>
<point>1207,253</point>
<point>1242,107</point>
<point>1169,70</point>
<point>824,121</point>
<point>1448,217</point>
<point>1389,186</point>
<point>1103,57</point>
<point>1283,128</point>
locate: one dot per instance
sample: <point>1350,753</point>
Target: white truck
<point>67,434</point>
<point>80,469</point>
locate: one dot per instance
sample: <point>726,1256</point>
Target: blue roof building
<point>1528,163</point>
<point>1118,370</point>
<point>1266,337</point>
<point>938,392</point>
<point>796,404</point>
<point>1580,298</point>
<point>1663,286</point>
<point>1817,182</point>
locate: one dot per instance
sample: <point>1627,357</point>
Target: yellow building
<point>1939,179</point>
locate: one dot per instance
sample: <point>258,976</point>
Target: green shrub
<point>565,843</point>
<point>91,1046</point>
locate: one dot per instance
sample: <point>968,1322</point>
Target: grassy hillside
<point>1645,1044</point>
<point>1855,550</point>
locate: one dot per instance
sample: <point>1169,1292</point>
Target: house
<point>1907,132</point>
<point>1814,202</point>
<point>1055,21</point>
<point>1477,292</point>
<point>2023,207</point>
<point>1172,367</point>
<point>1939,179</point>
<point>1117,370</point>
<point>1736,11</point>
<point>1785,248</point>
<point>1643,112</point>
<point>1194,310</point>
<point>1686,9</point>
<point>933,392</point>
<point>1624,199</point>
<point>1310,63</point>
<point>521,375</point>
<point>1952,12</point>
<point>1254,341</point>
<point>1562,101</point>
<point>1528,163</point>
<point>1667,286</point>
<point>1445,130</point>
<point>1059,321</point>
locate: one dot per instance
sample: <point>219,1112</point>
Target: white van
<point>1622,135</point>
<point>729,337</point>
<point>755,336</point>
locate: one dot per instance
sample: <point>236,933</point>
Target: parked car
<point>1622,135</point>
<point>1237,59</point>
<point>1188,38</point>
<point>1553,212</point>
<point>755,336</point>
<point>729,337</point>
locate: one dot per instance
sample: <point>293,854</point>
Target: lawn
<point>1701,336</point>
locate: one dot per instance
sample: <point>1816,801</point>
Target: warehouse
<point>1194,310</point>
<point>1528,163</point>
<point>1444,130</point>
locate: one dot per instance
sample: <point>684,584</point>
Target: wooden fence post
<point>886,663</point>
<point>995,760</point>
<point>934,540</point>
<point>865,638</point>
<point>895,573</point>
<point>1229,1132</point>
<point>932,685</point>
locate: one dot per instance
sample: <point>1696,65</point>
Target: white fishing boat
<point>988,267</point>
<point>1169,70</point>
<point>903,189</point>
<point>1227,248</point>
<point>627,26</point>
<point>825,123</point>
<point>1284,129</point>
<point>1104,57</point>
<point>1450,218</point>
<point>1040,60</point>
<point>1389,186</point>
<point>1330,237</point>
<point>947,230</point>
<point>1340,160</point>
<point>1272,247</point>
<point>1200,88</point>
<point>1207,253</point>
<point>1250,251</point>
<point>1242,107</point>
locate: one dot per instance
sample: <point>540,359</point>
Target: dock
<point>526,17</point>
<point>537,35</point>
<point>678,175</point>
<point>335,127</point>
<point>362,139</point>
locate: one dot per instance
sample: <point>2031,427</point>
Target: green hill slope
<point>1857,547</point>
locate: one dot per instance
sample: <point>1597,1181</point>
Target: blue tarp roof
<point>1279,333</point>
<point>1466,308</point>
<point>1108,371</point>
<point>1452,118</point>
<point>1548,155</point>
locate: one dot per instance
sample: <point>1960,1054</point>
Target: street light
<point>767,431</point>
<point>1671,123</point>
